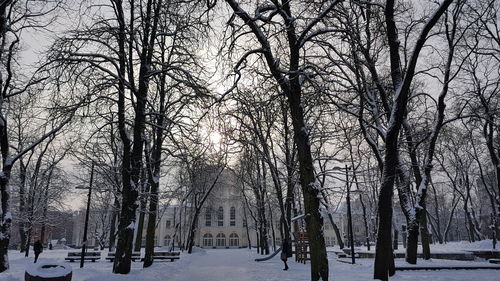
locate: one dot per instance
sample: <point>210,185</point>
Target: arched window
<point>220,217</point>
<point>234,240</point>
<point>167,240</point>
<point>232,217</point>
<point>207,240</point>
<point>220,240</point>
<point>208,217</point>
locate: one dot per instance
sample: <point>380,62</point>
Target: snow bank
<point>49,270</point>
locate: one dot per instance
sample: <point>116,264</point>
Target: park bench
<point>89,256</point>
<point>135,256</point>
<point>166,256</point>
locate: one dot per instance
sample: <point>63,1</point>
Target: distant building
<point>222,223</point>
<point>58,225</point>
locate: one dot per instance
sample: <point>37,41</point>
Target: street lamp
<point>349,213</point>
<point>84,244</point>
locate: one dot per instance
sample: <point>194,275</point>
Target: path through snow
<point>237,265</point>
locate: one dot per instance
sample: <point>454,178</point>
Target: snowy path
<point>219,265</point>
<point>238,265</point>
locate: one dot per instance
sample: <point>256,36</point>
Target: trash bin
<point>48,271</point>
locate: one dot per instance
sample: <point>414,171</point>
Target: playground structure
<point>302,249</point>
<point>300,243</point>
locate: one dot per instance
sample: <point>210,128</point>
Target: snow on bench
<point>89,256</point>
<point>447,267</point>
<point>135,256</point>
<point>166,256</point>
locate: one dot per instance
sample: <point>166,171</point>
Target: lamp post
<point>84,243</point>
<point>349,214</point>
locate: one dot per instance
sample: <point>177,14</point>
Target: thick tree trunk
<point>142,211</point>
<point>412,242</point>
<point>384,258</point>
<point>264,243</point>
<point>395,240</point>
<point>314,220</point>
<point>126,223</point>
<point>424,235</point>
<point>131,178</point>
<point>150,232</point>
<point>5,215</point>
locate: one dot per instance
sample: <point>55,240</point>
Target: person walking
<point>37,248</point>
<point>285,251</point>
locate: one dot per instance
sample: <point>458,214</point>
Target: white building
<point>221,223</point>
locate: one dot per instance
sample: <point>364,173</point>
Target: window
<point>208,217</point>
<point>327,225</point>
<point>232,217</point>
<point>207,240</point>
<point>220,217</point>
<point>220,240</point>
<point>234,240</point>
<point>328,241</point>
<point>168,224</point>
<point>167,240</point>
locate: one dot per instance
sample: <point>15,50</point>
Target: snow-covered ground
<point>450,247</point>
<point>239,265</point>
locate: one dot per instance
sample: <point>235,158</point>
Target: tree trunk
<point>273,233</point>
<point>314,220</point>
<point>142,211</point>
<point>412,241</point>
<point>22,205</point>
<point>395,239</point>
<point>126,223</point>
<point>337,231</point>
<point>112,231</point>
<point>424,234</point>
<point>192,228</point>
<point>384,258</point>
<point>247,228</point>
<point>150,232</point>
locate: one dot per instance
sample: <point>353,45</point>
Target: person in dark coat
<point>285,251</point>
<point>37,248</point>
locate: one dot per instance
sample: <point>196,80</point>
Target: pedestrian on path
<point>285,251</point>
<point>37,248</point>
